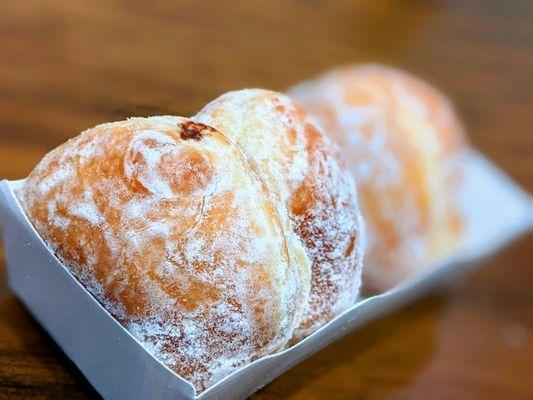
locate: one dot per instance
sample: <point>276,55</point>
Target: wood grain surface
<point>68,65</point>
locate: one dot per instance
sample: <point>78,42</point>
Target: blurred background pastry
<point>401,139</point>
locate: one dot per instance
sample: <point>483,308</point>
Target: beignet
<point>301,166</point>
<point>164,221</point>
<point>401,139</point>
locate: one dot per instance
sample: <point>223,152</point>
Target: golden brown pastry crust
<point>169,227</point>
<point>399,137</point>
<point>301,166</point>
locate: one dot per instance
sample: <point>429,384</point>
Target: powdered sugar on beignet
<point>400,137</point>
<point>300,165</point>
<point>168,226</point>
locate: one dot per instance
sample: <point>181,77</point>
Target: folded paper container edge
<point>119,367</point>
<point>106,353</point>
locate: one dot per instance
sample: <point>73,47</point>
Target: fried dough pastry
<point>167,224</point>
<point>401,138</point>
<point>300,166</point>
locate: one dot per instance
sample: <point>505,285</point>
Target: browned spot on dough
<point>194,130</point>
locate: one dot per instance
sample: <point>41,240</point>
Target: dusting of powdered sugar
<point>264,125</point>
<point>150,156</point>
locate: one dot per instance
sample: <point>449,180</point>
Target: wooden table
<point>68,65</point>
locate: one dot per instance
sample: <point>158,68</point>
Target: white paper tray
<point>497,211</point>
